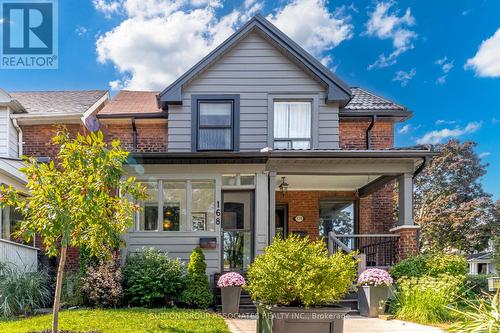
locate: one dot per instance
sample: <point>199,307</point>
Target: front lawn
<point>133,320</point>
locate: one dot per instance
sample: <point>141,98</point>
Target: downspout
<point>425,161</point>
<point>19,136</point>
<point>134,135</point>
<point>368,132</point>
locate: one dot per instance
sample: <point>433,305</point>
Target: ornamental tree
<point>79,199</point>
<point>451,206</point>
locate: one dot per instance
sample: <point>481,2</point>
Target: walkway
<point>353,324</point>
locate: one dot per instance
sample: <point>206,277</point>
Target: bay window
<point>180,205</point>
<point>292,125</point>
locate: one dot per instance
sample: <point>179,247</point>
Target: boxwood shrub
<point>299,272</point>
<point>151,278</point>
<point>196,291</point>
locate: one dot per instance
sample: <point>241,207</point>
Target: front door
<point>237,230</point>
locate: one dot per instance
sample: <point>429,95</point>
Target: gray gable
<point>338,91</point>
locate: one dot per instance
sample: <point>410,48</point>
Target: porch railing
<point>379,250</point>
<point>24,257</point>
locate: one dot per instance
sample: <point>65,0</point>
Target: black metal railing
<point>378,249</point>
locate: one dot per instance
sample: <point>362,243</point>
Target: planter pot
<point>230,300</point>
<point>299,320</point>
<point>372,300</point>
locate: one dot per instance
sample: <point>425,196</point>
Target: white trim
<point>19,137</point>
<point>44,118</point>
<point>91,109</point>
<point>401,227</point>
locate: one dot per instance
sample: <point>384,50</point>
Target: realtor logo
<point>28,34</point>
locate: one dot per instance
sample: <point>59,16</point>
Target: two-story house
<point>257,140</point>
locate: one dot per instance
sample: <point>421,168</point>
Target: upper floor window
<point>216,120</point>
<point>292,125</point>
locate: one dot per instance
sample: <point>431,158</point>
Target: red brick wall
<point>37,139</point>
<point>408,242</point>
<point>151,135</point>
<point>353,134</point>
<point>376,210</point>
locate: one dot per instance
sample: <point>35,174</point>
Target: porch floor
<point>352,324</point>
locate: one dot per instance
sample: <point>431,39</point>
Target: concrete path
<point>353,324</point>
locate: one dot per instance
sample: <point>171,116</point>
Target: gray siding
<point>8,135</point>
<point>254,69</point>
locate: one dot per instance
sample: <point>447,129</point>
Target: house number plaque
<point>299,218</point>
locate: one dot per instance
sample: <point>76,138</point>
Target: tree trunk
<point>57,296</point>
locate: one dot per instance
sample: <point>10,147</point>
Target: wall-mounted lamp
<point>283,186</point>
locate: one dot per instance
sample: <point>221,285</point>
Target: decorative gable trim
<point>338,91</point>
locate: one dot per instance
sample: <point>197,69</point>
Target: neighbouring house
<point>483,262</point>
<point>28,120</point>
<point>256,140</point>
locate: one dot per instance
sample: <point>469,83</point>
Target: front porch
<point>362,205</point>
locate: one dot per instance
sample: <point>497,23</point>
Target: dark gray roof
<point>337,89</point>
<point>71,101</point>
<point>366,103</point>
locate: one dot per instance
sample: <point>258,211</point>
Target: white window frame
<point>189,225</point>
<point>311,98</point>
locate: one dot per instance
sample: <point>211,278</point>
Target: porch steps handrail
<point>361,256</point>
<point>365,235</point>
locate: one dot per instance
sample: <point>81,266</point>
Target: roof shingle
<point>71,101</point>
<point>365,101</point>
<point>129,102</point>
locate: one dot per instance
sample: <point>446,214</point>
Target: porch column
<point>272,206</point>
<point>407,243</point>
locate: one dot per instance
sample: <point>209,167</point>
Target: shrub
<point>197,264</point>
<point>425,299</point>
<point>151,278</point>
<point>477,284</point>
<point>299,272</point>
<point>22,292</point>
<point>231,279</point>
<point>375,277</point>
<point>430,265</point>
<point>102,285</point>
<point>71,291</point>
<point>196,292</point>
<point>482,315</point>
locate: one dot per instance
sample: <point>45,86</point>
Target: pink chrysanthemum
<point>375,277</point>
<point>231,279</point>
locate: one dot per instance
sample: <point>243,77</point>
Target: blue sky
<point>441,61</point>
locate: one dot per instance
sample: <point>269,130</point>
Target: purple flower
<point>231,279</point>
<point>375,277</point>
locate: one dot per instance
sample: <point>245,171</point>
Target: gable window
<point>215,123</point>
<point>292,125</point>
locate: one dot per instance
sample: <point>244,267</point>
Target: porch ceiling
<point>325,182</point>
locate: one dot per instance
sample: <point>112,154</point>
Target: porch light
<point>283,186</point>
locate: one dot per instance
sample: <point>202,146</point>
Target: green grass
<point>123,321</point>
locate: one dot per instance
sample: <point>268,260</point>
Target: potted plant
<point>230,284</point>
<point>294,284</point>
<point>373,291</point>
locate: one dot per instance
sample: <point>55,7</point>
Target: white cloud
<point>313,26</point>
<point>386,24</point>
<point>446,66</point>
<point>484,154</point>
<point>405,129</point>
<point>404,77</point>
<point>438,136</point>
<point>158,40</point>
<point>495,121</point>
<point>486,62</point>
<point>107,7</point>
<point>81,30</point>
<point>445,122</point>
